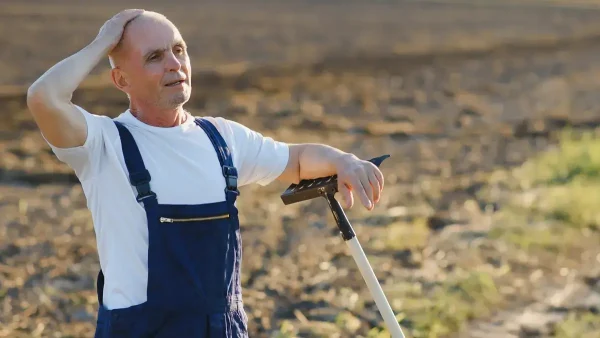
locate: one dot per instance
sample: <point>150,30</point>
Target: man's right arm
<point>49,98</point>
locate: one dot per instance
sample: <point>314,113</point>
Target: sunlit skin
<point>148,53</point>
<point>152,55</point>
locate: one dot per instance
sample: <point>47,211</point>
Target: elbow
<point>291,173</point>
<point>39,95</point>
<point>295,164</point>
<point>35,95</point>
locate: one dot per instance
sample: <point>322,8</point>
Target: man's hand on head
<point>112,31</point>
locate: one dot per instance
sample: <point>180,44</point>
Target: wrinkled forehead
<point>150,32</point>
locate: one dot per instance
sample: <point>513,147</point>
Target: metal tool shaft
<point>364,267</point>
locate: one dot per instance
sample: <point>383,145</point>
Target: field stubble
<point>457,241</point>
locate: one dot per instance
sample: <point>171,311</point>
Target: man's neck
<point>160,118</point>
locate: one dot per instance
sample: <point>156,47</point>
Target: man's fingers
<point>379,177</point>
<point>361,189</point>
<point>375,185</point>
<point>129,14</point>
<point>346,194</point>
<point>367,189</point>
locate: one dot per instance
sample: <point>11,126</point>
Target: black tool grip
<point>340,217</point>
<point>309,189</point>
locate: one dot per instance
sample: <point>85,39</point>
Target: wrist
<point>342,160</point>
<point>101,45</point>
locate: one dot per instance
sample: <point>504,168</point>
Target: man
<point>161,185</point>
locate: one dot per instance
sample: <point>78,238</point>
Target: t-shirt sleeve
<point>84,159</point>
<point>259,159</point>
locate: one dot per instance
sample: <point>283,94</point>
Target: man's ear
<point>119,78</point>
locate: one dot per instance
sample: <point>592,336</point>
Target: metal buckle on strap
<point>142,196</point>
<point>141,181</point>
<point>231,178</point>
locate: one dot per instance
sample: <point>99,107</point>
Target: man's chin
<point>179,99</point>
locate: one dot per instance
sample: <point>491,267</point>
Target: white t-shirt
<point>185,170</point>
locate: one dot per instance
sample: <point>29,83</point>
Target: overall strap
<point>139,176</point>
<point>224,154</point>
<point>232,256</point>
<point>218,324</point>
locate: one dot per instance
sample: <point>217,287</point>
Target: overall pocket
<point>188,264</point>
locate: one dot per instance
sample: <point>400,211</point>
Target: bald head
<point>143,24</point>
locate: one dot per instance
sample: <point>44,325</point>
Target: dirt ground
<point>453,92</point>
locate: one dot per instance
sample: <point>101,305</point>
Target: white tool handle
<point>376,291</point>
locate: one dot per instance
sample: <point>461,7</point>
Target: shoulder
<point>100,126</point>
<point>238,130</point>
<point>94,118</point>
<point>96,125</point>
<point>233,132</point>
<point>87,158</point>
<point>224,125</point>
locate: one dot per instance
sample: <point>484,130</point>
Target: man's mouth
<point>176,83</point>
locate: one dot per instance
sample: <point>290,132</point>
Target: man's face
<point>154,63</point>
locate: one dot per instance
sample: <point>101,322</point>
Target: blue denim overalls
<point>194,256</point>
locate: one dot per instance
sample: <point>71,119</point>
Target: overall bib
<point>194,256</point>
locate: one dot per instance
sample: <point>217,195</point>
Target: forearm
<point>310,160</point>
<point>318,160</point>
<point>59,82</point>
<point>49,98</point>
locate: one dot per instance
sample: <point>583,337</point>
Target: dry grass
<point>584,325</point>
<point>561,188</point>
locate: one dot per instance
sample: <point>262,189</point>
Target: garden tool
<point>327,187</point>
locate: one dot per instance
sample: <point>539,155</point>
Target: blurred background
<point>489,222</point>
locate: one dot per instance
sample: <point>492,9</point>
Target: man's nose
<point>172,62</point>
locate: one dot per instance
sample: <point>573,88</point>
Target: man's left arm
<point>307,161</point>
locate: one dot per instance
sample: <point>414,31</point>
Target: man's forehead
<point>151,32</point>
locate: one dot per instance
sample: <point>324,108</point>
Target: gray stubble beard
<point>180,99</point>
